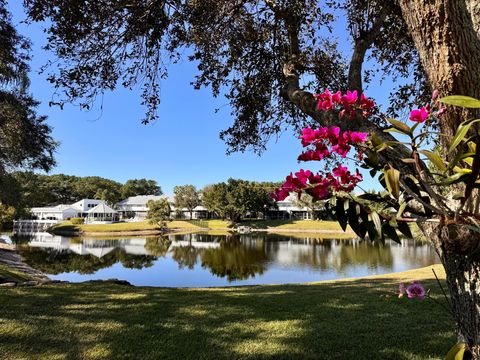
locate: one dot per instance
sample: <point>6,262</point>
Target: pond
<point>200,260</point>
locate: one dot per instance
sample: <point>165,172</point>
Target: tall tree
<point>186,196</point>
<point>214,198</point>
<point>158,212</point>
<point>135,187</point>
<point>269,56</point>
<point>96,187</point>
<point>25,139</point>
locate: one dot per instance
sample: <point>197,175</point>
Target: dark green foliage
<point>159,212</point>
<point>135,187</point>
<point>235,198</point>
<point>186,196</point>
<point>241,49</point>
<point>27,189</point>
<point>77,221</point>
<point>24,136</point>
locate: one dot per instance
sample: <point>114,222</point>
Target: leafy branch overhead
<point>245,50</point>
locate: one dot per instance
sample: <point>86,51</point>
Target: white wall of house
<point>86,204</point>
<point>54,213</point>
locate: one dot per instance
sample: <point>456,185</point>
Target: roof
<point>140,199</point>
<point>102,209</point>
<point>51,209</point>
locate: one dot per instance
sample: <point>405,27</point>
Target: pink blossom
<point>355,136</point>
<point>303,175</point>
<point>340,170</point>
<point>308,136</point>
<point>337,97</point>
<point>366,103</point>
<point>419,115</point>
<point>416,290</point>
<point>350,98</point>
<point>320,192</point>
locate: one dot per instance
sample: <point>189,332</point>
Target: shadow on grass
<point>350,320</point>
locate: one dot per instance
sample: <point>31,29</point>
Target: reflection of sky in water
<point>220,260</point>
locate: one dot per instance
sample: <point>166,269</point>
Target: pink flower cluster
<point>349,102</point>
<point>321,138</point>
<point>415,290</point>
<point>422,114</point>
<point>326,142</point>
<point>419,115</point>
<point>319,186</point>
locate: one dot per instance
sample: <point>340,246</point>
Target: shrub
<point>77,221</point>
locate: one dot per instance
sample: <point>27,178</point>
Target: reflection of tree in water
<point>185,256</point>
<point>54,262</point>
<point>235,260</point>
<point>157,245</point>
<point>373,255</point>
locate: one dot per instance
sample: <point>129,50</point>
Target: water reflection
<point>206,260</point>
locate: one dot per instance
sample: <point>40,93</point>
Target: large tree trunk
<point>459,251</point>
<point>447,37</point>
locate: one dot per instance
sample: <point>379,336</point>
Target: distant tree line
<point>23,190</point>
<point>236,199</point>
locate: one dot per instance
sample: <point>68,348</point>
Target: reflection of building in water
<point>99,248</point>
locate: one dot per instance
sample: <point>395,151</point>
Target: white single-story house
<point>287,209</point>
<point>101,214</point>
<point>81,209</point>
<point>135,208</point>
<point>59,212</point>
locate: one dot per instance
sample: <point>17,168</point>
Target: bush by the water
<point>77,221</point>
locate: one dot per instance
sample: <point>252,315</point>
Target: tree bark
<point>447,37</point>
<point>459,250</point>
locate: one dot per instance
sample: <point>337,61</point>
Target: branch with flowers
<point>413,197</point>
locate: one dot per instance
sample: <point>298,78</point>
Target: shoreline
<point>151,232</point>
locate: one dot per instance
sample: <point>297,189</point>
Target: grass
<point>136,226</point>
<point>294,224</point>
<point>9,274</point>
<point>282,225</point>
<point>348,319</point>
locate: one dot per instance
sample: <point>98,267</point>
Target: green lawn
<point>294,224</point>
<point>352,319</point>
<point>137,226</point>
<point>304,225</point>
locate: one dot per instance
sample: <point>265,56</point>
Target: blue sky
<point>182,147</point>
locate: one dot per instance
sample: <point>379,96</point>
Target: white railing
<point>32,226</point>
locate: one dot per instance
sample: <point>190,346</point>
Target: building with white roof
<point>79,209</point>
<point>101,214</point>
<point>135,208</point>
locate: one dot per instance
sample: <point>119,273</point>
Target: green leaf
<point>340,213</point>
<point>456,352</point>
<point>400,126</point>
<point>455,178</point>
<point>396,131</point>
<point>460,134</point>
<point>435,159</point>
<point>391,232</point>
<point>460,100</point>
<point>405,229</point>
<point>392,179</point>
<point>377,222</point>
<point>375,139</point>
<point>401,209</point>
